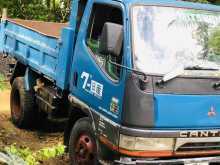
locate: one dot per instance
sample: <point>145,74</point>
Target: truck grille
<point>207,146</point>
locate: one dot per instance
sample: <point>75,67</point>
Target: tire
<point>22,103</point>
<point>82,144</point>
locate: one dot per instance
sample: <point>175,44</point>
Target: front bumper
<point>187,143</point>
<point>187,161</point>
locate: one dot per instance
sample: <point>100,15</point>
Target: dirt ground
<point>35,139</point>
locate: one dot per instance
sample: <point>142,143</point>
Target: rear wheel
<point>82,145</point>
<point>23,113</point>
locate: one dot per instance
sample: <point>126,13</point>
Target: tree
<point>48,10</point>
<point>199,1</point>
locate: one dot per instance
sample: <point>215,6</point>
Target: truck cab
<point>138,80</point>
<point>149,72</point>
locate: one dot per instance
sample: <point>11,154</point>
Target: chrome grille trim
<point>197,144</point>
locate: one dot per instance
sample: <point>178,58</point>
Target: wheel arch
<point>19,71</point>
<point>29,75</point>
<point>77,110</point>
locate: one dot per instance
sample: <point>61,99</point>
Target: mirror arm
<point>143,81</point>
<point>127,68</point>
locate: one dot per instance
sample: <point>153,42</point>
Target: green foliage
<point>24,153</point>
<point>47,153</point>
<point>1,78</point>
<point>199,1</point>
<point>33,158</point>
<point>214,41</point>
<point>3,84</point>
<point>45,10</point>
<point>93,44</point>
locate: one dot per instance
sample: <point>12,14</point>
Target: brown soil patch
<point>4,101</point>
<point>35,140</point>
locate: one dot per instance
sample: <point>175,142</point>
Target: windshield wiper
<point>171,75</point>
<point>197,67</point>
<point>180,70</point>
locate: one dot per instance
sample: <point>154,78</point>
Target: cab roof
<point>173,3</point>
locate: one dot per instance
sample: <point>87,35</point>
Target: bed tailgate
<point>31,46</point>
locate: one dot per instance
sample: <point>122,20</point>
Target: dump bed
<point>49,29</point>
<point>33,43</point>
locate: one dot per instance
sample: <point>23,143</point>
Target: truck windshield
<point>166,37</point>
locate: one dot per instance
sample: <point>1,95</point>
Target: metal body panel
<point>88,71</point>
<point>187,111</point>
<point>138,104</point>
<point>50,29</point>
<point>187,86</point>
<point>31,48</point>
<point>65,58</point>
<point>40,49</point>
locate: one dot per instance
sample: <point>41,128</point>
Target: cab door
<point>95,81</point>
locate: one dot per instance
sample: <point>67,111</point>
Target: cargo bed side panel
<point>36,50</point>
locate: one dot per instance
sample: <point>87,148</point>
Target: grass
<point>3,83</point>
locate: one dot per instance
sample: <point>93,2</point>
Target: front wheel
<point>82,144</point>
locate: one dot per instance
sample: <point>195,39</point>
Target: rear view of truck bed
<point>33,43</point>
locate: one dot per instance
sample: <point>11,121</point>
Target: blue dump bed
<point>33,43</point>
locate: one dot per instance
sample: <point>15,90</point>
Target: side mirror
<point>111,39</point>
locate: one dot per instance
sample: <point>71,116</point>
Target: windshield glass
<point>166,37</point>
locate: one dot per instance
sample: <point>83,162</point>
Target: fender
<point>77,110</point>
<point>82,106</point>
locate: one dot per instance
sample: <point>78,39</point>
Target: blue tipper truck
<point>137,80</point>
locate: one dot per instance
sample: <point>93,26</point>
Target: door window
<point>100,15</point>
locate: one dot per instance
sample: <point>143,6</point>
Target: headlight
<point>146,144</point>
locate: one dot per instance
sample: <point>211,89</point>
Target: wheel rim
<point>85,150</point>
<point>16,105</point>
